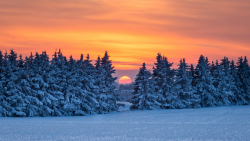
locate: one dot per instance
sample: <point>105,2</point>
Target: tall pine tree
<point>144,94</point>
<point>204,83</point>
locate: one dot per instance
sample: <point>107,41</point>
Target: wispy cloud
<point>132,31</point>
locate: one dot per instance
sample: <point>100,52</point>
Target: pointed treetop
<point>87,57</point>
<point>245,62</point>
<point>201,59</point>
<point>98,63</point>
<point>81,58</point>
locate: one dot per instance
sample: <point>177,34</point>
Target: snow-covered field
<point>216,123</point>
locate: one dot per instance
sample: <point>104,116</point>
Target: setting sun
<point>125,80</point>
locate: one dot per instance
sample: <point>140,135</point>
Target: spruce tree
<point>88,86</point>
<point>223,88</point>
<point>243,83</point>
<point>163,78</point>
<point>227,83</point>
<point>14,99</point>
<point>144,96</point>
<point>112,96</point>
<point>186,94</point>
<point>102,95</point>
<point>236,100</point>
<point>160,77</point>
<point>203,83</point>
<point>191,74</point>
<point>168,93</point>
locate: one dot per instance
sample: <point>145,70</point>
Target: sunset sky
<point>132,31</point>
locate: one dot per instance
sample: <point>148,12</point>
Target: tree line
<point>39,86</point>
<point>126,87</point>
<point>217,84</point>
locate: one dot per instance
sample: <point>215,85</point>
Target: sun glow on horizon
<point>125,80</point>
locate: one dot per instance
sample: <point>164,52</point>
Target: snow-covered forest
<point>39,86</point>
<point>208,84</point>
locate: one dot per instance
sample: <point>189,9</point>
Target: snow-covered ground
<point>216,123</point>
<point>125,108</point>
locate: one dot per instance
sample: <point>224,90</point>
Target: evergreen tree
<point>191,74</point>
<point>237,99</point>
<point>168,94</point>
<point>12,57</point>
<point>187,97</point>
<point>163,78</point>
<point>243,84</point>
<point>20,62</point>
<point>14,98</point>
<point>203,81</point>
<point>109,80</point>
<point>226,85</point>
<point>41,88</point>
<point>89,101</point>
<point>223,88</point>
<point>213,68</point>
<point>102,94</point>
<point>1,60</point>
<point>144,95</point>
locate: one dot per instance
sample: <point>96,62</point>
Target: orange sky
<point>132,31</point>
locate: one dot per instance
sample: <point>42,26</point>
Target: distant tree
<point>126,86</point>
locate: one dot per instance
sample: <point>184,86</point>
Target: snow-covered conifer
<point>168,82</point>
<point>236,100</point>
<point>144,96</point>
<point>101,95</point>
<point>14,99</point>
<point>106,64</point>
<point>223,88</point>
<point>243,83</point>
<point>86,77</point>
<point>163,77</point>
<point>203,83</point>
<point>186,94</point>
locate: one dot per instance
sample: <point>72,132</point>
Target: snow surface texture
<point>214,123</point>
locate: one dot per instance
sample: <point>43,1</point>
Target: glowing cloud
<point>131,31</point>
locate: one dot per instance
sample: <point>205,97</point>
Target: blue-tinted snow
<point>216,123</point>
